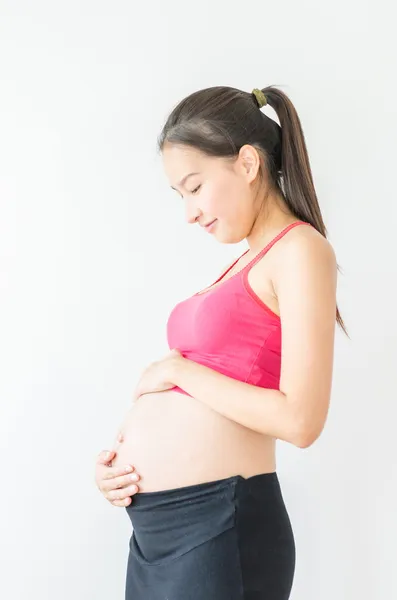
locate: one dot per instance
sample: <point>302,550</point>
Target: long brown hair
<point>219,120</point>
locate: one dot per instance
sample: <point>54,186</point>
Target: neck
<point>272,217</point>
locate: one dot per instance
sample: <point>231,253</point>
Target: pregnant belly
<point>174,440</point>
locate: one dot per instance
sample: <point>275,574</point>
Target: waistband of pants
<point>169,523</point>
<point>151,500</point>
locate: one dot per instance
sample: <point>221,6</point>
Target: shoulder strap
<point>255,259</point>
<point>275,239</point>
<point>221,276</point>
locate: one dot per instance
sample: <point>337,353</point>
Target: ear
<point>249,161</point>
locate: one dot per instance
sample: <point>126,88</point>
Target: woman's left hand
<point>157,376</point>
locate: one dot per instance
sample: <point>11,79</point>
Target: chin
<point>228,235</point>
<point>231,238</point>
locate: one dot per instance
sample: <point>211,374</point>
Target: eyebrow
<point>182,181</point>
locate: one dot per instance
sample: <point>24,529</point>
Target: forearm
<point>264,410</point>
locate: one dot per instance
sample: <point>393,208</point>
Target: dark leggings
<point>229,539</point>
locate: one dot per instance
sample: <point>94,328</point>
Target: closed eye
<point>193,191</point>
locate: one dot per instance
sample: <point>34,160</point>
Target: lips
<point>209,224</point>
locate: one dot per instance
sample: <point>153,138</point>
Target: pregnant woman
<point>250,362</point>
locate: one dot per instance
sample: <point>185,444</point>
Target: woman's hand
<point>117,484</point>
<point>157,377</point>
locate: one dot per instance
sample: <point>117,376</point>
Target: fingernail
<point>128,469</point>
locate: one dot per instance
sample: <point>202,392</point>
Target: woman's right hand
<point>117,484</point>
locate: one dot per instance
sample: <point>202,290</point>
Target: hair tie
<point>260,97</point>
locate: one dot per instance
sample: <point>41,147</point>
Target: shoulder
<point>306,278</point>
<point>307,237</point>
<point>306,249</point>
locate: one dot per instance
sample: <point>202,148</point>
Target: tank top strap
<point>228,269</point>
<point>243,272</point>
<point>274,240</point>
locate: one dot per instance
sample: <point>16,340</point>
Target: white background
<point>95,253</point>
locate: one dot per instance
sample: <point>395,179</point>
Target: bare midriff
<point>174,440</point>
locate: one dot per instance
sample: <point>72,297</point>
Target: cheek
<point>212,202</point>
<point>220,200</point>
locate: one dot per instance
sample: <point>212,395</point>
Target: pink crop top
<point>228,328</point>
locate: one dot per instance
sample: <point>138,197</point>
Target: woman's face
<point>220,189</point>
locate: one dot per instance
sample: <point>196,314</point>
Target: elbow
<point>305,427</point>
<point>306,436</point>
<point>304,441</point>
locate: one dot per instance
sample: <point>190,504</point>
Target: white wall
<point>93,243</point>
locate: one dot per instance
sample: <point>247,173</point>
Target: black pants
<point>229,539</point>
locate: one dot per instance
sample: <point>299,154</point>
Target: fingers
<point>113,472</point>
<point>118,482</point>
<point>125,502</point>
<point>105,457</point>
<point>121,494</point>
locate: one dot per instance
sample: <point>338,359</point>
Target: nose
<point>192,212</point>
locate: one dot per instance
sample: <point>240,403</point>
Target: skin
<point>246,207</point>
